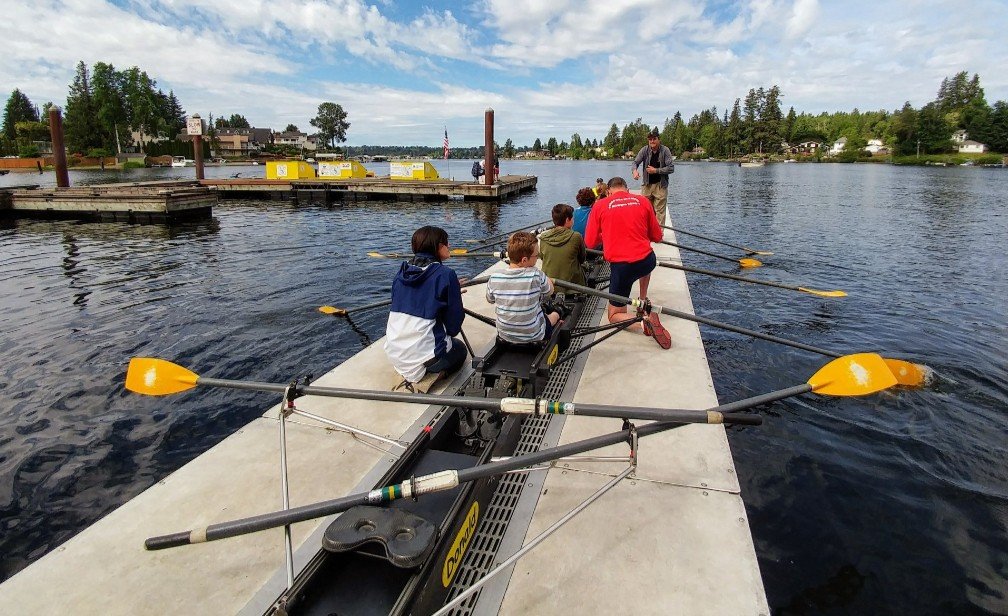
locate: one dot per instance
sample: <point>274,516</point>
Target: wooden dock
<point>370,189</point>
<point>153,202</point>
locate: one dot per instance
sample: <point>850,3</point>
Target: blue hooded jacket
<point>426,312</point>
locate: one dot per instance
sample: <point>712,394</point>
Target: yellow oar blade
<point>747,262</point>
<point>331,310</point>
<point>853,375</point>
<point>823,293</point>
<point>907,373</point>
<point>376,254</point>
<point>459,251</point>
<point>156,377</point>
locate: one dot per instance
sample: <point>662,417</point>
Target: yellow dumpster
<point>413,171</point>
<point>341,170</point>
<point>288,170</point>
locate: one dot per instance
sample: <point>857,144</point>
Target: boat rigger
<point>676,526</point>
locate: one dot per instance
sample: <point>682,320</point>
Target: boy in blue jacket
<point>426,312</point>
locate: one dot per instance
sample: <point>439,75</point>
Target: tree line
<point>756,124</point>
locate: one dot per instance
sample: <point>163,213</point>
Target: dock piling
<point>59,151</point>
<point>488,146</point>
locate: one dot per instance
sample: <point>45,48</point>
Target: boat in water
<point>756,162</point>
<point>182,161</point>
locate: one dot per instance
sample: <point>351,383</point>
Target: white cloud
<point>803,16</point>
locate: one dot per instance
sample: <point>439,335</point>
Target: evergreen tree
<point>998,137</point>
<point>787,132</point>
<point>81,123</point>
<point>933,131</point>
<point>509,149</point>
<point>611,140</point>
<point>552,146</point>
<point>18,109</point>
<point>734,131</point>
<point>537,146</point>
<point>110,113</point>
<point>239,121</point>
<point>749,128</point>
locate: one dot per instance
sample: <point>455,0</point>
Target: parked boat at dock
<point>182,161</point>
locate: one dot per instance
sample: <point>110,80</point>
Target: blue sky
<point>404,70</point>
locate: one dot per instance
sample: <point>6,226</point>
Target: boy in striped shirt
<point>518,292</point>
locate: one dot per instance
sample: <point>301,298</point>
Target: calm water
<point>896,503</point>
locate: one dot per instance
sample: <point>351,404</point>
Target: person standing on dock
<point>426,312</point>
<point>657,161</point>
<point>563,250</point>
<point>600,189</point>
<point>625,224</point>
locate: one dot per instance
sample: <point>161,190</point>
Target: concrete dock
<point>328,191</point>
<point>673,538</point>
<point>135,203</point>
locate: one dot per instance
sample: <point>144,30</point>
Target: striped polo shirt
<point>516,294</point>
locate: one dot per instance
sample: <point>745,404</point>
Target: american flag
<point>446,150</point>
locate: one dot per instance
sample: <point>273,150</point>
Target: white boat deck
<point>674,539</point>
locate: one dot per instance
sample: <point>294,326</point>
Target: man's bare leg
<point>619,313</point>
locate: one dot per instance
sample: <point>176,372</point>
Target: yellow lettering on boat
<point>553,355</point>
<point>460,545</point>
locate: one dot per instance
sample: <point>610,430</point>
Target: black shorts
<point>623,275</point>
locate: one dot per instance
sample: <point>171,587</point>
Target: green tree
<point>331,122</point>
<point>107,93</point>
<point>999,127</point>
<point>787,130</point>
<point>143,109</point>
<point>611,140</point>
<point>552,146</point>
<point>81,122</point>
<point>174,114</point>
<point>933,130</point>
<point>904,128</point>
<point>291,128</point>
<point>509,148</point>
<point>537,146</point>
<point>239,121</point>
<point>18,109</point>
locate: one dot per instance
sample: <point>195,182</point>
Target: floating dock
<point>155,202</point>
<point>672,538</point>
<point>329,191</point>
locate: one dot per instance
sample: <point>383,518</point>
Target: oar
<point>489,240</point>
<point>458,252</point>
<point>906,373</point>
<point>342,312</point>
<point>697,270</point>
<point>749,251</point>
<point>854,375</point>
<point>158,377</point>
<point>744,261</point>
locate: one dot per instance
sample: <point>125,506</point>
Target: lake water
<point>897,503</point>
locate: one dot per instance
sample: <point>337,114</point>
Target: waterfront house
<point>838,146</point>
<point>959,137</point>
<point>295,139</point>
<point>806,147</point>
<point>875,146</point>
<point>972,147</point>
<point>243,141</point>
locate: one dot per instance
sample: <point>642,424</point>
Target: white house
<point>875,146</point>
<point>959,136</point>
<point>969,146</point>
<point>838,146</point>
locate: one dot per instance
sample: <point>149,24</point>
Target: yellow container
<point>341,170</point>
<point>413,171</point>
<point>288,170</point>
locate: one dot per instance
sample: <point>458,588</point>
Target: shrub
<point>28,151</point>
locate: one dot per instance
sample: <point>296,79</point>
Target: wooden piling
<point>488,146</point>
<point>59,151</point>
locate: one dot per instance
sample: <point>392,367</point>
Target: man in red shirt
<point>625,225</point>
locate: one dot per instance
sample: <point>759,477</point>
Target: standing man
<point>625,225</point>
<point>657,161</point>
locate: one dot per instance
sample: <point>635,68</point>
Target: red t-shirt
<point>625,224</point>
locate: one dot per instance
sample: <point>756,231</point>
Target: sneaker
<point>654,328</point>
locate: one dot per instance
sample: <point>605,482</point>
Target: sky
<point>406,71</point>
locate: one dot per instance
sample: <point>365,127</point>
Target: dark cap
<point>653,133</point>
<point>599,181</point>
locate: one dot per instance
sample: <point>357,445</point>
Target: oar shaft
<point>706,272</point>
<point>703,252</point>
<point>446,480</point>
<point>514,406</point>
<point>698,319</point>
<point>710,239</point>
<point>386,302</point>
<point>496,239</point>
